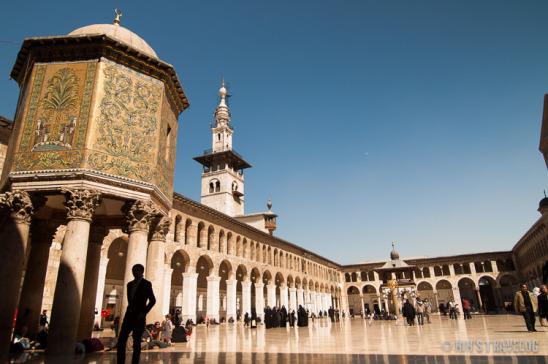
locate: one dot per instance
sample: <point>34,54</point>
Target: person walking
<point>139,291</point>
<point>466,306</point>
<point>44,319</point>
<point>525,303</point>
<point>420,312</point>
<point>167,330</point>
<point>452,309</point>
<point>543,305</point>
<point>427,309</point>
<point>408,311</point>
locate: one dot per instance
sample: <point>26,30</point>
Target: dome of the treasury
<point>119,33</point>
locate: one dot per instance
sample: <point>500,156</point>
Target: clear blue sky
<point>365,121</point>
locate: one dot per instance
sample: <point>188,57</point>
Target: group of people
<point>21,341</point>
<point>278,317</point>
<point>420,310</point>
<point>528,304</point>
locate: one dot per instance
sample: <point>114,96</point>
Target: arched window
<point>418,273</point>
<point>363,276</point>
<point>437,271</point>
<point>217,186</point>
<point>479,267</point>
<point>347,277</point>
<point>445,270</point>
<point>426,272</point>
<point>458,268</point>
<point>371,275</point>
<point>211,187</point>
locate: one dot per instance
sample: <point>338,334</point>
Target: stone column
<point>259,300</point>
<point>478,296</point>
<point>436,301</point>
<point>138,215</point>
<point>91,281</point>
<point>156,264</point>
<point>14,236</point>
<point>306,299</point>
<point>231,285</point>
<point>67,300</point>
<point>190,285</point>
<point>212,309</point>
<point>314,302</point>
<point>458,300</point>
<point>192,235</point>
<point>203,238</point>
<point>293,298</point>
<point>284,296</point>
<point>300,297</point>
<point>214,241</point>
<point>168,271</point>
<point>32,292</point>
<point>271,295</point>
<point>246,297</point>
<point>99,299</point>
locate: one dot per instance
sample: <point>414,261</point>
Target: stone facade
<point>88,192</point>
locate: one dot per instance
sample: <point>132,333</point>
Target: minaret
<point>222,176</point>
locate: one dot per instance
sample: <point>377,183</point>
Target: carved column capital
<point>19,205</point>
<point>160,228</point>
<point>81,203</point>
<point>138,215</point>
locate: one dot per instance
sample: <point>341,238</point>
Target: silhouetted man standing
<point>139,291</point>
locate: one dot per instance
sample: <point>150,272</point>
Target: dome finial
<point>222,114</point>
<point>269,204</point>
<point>117,16</point>
<point>394,255</point>
<point>222,91</point>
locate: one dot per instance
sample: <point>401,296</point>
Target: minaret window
<point>211,187</point>
<point>219,136</point>
<point>168,143</point>
<point>217,186</point>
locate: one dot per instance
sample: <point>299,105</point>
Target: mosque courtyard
<point>490,339</point>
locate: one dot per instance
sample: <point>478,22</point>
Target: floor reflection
<point>351,341</point>
<point>279,358</point>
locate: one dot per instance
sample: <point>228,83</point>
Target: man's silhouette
<point>139,291</point>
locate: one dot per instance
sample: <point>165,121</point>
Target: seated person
<point>149,341</point>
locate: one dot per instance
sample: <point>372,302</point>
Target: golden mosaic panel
<point>126,124</point>
<point>56,117</point>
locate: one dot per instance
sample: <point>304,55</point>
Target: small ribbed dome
<point>119,33</point>
<point>394,255</point>
<point>543,204</point>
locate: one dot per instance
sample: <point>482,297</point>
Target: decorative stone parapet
<point>81,203</point>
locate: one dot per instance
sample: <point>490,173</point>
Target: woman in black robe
<point>408,311</point>
<point>302,318</point>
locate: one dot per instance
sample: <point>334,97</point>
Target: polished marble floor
<point>488,339</point>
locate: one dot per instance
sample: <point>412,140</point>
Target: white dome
<point>119,33</point>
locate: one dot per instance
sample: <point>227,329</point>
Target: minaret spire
<point>223,174</point>
<point>222,113</point>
